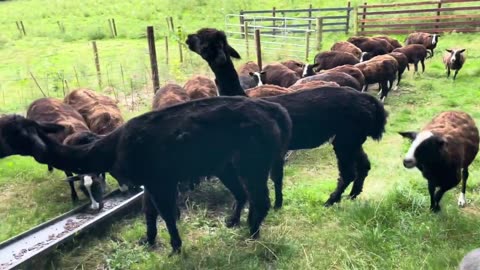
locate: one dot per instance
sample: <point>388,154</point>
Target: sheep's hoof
<point>75,198</point>
<point>232,222</point>
<point>461,201</point>
<point>150,244</point>
<point>278,205</point>
<point>175,251</point>
<point>435,209</point>
<point>329,203</point>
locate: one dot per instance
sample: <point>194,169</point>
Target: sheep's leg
<point>438,196</point>
<point>232,183</point>
<point>448,72</point>
<point>277,177</point>
<point>73,192</point>
<point>423,65</point>
<point>461,199</point>
<point>415,65</point>
<point>164,199</point>
<point>151,215</point>
<point>384,89</point>
<point>362,165</point>
<point>50,168</point>
<point>431,190</point>
<point>455,75</point>
<point>346,166</point>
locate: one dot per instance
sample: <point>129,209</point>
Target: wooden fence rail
<point>427,16</point>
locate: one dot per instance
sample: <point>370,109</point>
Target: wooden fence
<point>334,19</point>
<point>427,16</point>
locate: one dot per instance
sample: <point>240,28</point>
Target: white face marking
<point>331,139</point>
<point>454,53</point>
<point>462,200</point>
<point>305,68</point>
<point>434,39</point>
<point>88,181</point>
<point>409,159</point>
<point>361,57</point>
<point>123,188</point>
<point>257,74</point>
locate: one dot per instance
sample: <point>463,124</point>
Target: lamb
<point>442,151</point>
<point>344,46</point>
<point>100,112</point>
<point>429,41</point>
<point>294,65</point>
<point>415,53</point>
<point>454,59</point>
<point>247,74</point>
<point>402,61</point>
<point>381,69</point>
<point>75,132</point>
<point>168,95</point>
<point>341,78</point>
<point>317,115</point>
<point>329,60</point>
<point>199,86</point>
<point>245,140</point>
<point>280,75</point>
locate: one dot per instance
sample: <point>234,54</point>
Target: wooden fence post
<point>23,28</point>
<point>153,58</point>
<point>310,16</point>
<point>319,33</point>
<point>439,6</point>
<point>274,23</point>
<point>166,50</point>
<point>349,7</point>
<point>38,85</point>
<point>247,47</point>
<point>97,63</point>
<point>171,24</point>
<point>168,24</point>
<point>179,31</point>
<point>364,16</point>
<point>18,27</point>
<point>307,45</point>
<point>242,22</point>
<point>114,27</point>
<point>111,27</point>
<point>258,47</point>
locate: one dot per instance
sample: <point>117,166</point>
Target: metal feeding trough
<point>45,237</point>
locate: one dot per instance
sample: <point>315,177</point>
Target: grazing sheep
<point>329,60</point>
<point>199,86</point>
<point>415,53</point>
<point>442,151</point>
<point>312,85</point>
<point>169,95</point>
<point>381,69</point>
<point>280,75</point>
<point>100,112</point>
<point>370,47</point>
<point>344,46</point>
<point>393,42</point>
<point>75,132</point>
<point>402,61</point>
<point>317,115</point>
<point>341,78</point>
<point>454,59</point>
<point>267,90</point>
<point>245,140</point>
<point>294,65</point>
<point>429,41</point>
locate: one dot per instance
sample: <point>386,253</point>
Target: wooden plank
<point>409,11</point>
<point>416,25</point>
<point>418,18</point>
<point>415,3</point>
<point>295,10</point>
<point>406,31</point>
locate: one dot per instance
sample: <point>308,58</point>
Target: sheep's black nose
<point>408,163</point>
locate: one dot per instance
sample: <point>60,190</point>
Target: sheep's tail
<point>379,122</point>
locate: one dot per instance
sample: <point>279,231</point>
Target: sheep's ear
<point>409,135</point>
<point>448,50</point>
<point>232,52</point>
<point>461,51</point>
<point>73,178</point>
<point>51,128</point>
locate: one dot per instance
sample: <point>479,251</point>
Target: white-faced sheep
<point>381,69</point>
<point>100,112</point>
<point>344,46</point>
<point>317,115</point>
<point>245,140</point>
<point>329,60</point>
<point>415,53</point>
<point>199,86</point>
<point>294,65</point>
<point>278,74</point>
<point>75,132</point>
<point>443,150</point>
<point>453,59</point>
<point>169,95</point>
<point>429,41</point>
<point>246,74</point>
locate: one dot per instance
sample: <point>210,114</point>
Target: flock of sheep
<point>240,126</point>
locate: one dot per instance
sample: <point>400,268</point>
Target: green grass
<point>388,227</point>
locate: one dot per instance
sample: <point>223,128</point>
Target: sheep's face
<point>93,186</point>
<point>309,70</point>
<point>434,38</point>
<point>21,136</point>
<point>455,55</point>
<point>426,148</point>
<point>211,45</point>
<point>258,77</point>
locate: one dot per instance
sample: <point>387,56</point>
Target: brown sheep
<point>381,69</point>
<point>352,71</point>
<point>294,65</point>
<point>169,95</point>
<point>344,46</point>
<point>454,59</point>
<point>100,112</point>
<point>267,90</point>
<point>402,61</point>
<point>200,86</point>
<point>248,67</point>
<point>393,42</point>
<point>280,75</point>
<point>370,47</point>
<point>442,151</point>
<point>415,53</point>
<point>328,60</point>
<point>312,85</point>
<point>429,41</point>
<point>341,78</point>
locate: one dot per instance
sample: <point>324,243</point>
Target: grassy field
<point>388,227</point>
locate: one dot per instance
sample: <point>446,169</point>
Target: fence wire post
<point>274,23</point>
<point>180,44</point>
<point>166,50</point>
<point>23,28</point>
<point>364,16</point>
<point>97,63</point>
<point>307,45</point>
<point>247,47</point>
<point>349,7</point>
<point>258,47</point>
<point>242,22</point>
<point>319,33</point>
<point>114,27</point>
<point>153,58</point>
<point>439,6</point>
